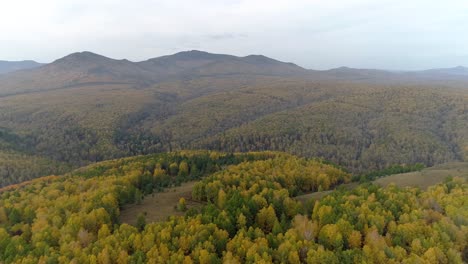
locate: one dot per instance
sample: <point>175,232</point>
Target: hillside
<point>86,107</point>
<point>195,63</point>
<point>426,177</point>
<point>421,178</point>
<point>361,127</point>
<point>84,69</point>
<point>455,71</point>
<point>250,215</point>
<point>11,66</point>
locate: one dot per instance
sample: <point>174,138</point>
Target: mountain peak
<point>342,68</point>
<point>194,52</point>
<point>197,55</point>
<point>84,56</point>
<point>259,59</point>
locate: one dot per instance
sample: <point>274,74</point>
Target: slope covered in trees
<point>18,167</point>
<point>250,215</point>
<point>86,108</point>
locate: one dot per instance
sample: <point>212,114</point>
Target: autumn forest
<point>209,158</point>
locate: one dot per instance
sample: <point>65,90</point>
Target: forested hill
<point>86,107</point>
<point>248,214</point>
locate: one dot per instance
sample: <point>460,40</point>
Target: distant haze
<point>384,34</point>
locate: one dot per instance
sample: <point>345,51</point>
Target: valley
<point>256,132</point>
<point>274,162</point>
<point>86,108</point>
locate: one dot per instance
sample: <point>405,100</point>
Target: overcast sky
<point>318,34</point>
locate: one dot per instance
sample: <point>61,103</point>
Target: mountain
<point>455,71</point>
<point>11,66</point>
<point>457,75</point>
<point>85,108</point>
<point>199,63</point>
<point>347,73</point>
<point>76,69</point>
<point>87,68</point>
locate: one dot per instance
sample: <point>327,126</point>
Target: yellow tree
<point>183,169</point>
<point>354,239</point>
<point>221,199</point>
<point>266,218</point>
<point>182,205</point>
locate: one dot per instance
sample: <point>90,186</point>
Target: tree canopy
<point>249,216</point>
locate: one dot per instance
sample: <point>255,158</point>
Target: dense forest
<point>85,108</point>
<point>249,215</point>
<point>204,158</point>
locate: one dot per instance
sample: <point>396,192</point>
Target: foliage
<point>16,167</point>
<point>251,216</point>
<point>362,126</point>
<point>395,169</point>
<point>182,205</point>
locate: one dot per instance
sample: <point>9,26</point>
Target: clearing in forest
<point>422,179</point>
<point>159,206</point>
<point>426,177</point>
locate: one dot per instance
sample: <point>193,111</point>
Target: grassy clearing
<point>160,206</point>
<point>426,177</point>
<point>422,179</point>
<point>318,195</point>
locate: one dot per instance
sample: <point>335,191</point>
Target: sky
<point>315,34</point>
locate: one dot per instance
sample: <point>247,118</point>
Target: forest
<point>249,214</point>
<point>317,132</point>
<point>86,108</point>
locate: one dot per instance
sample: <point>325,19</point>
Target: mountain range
<point>11,66</point>
<point>86,67</point>
<point>85,108</point>
<point>89,68</point>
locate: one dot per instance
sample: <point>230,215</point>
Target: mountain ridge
<point>86,107</point>
<point>88,56</point>
<point>88,67</point>
<point>458,70</point>
<point>12,66</point>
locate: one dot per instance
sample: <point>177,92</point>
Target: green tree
<point>183,169</point>
<point>182,205</point>
<point>141,221</point>
<point>173,169</point>
<point>266,218</point>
